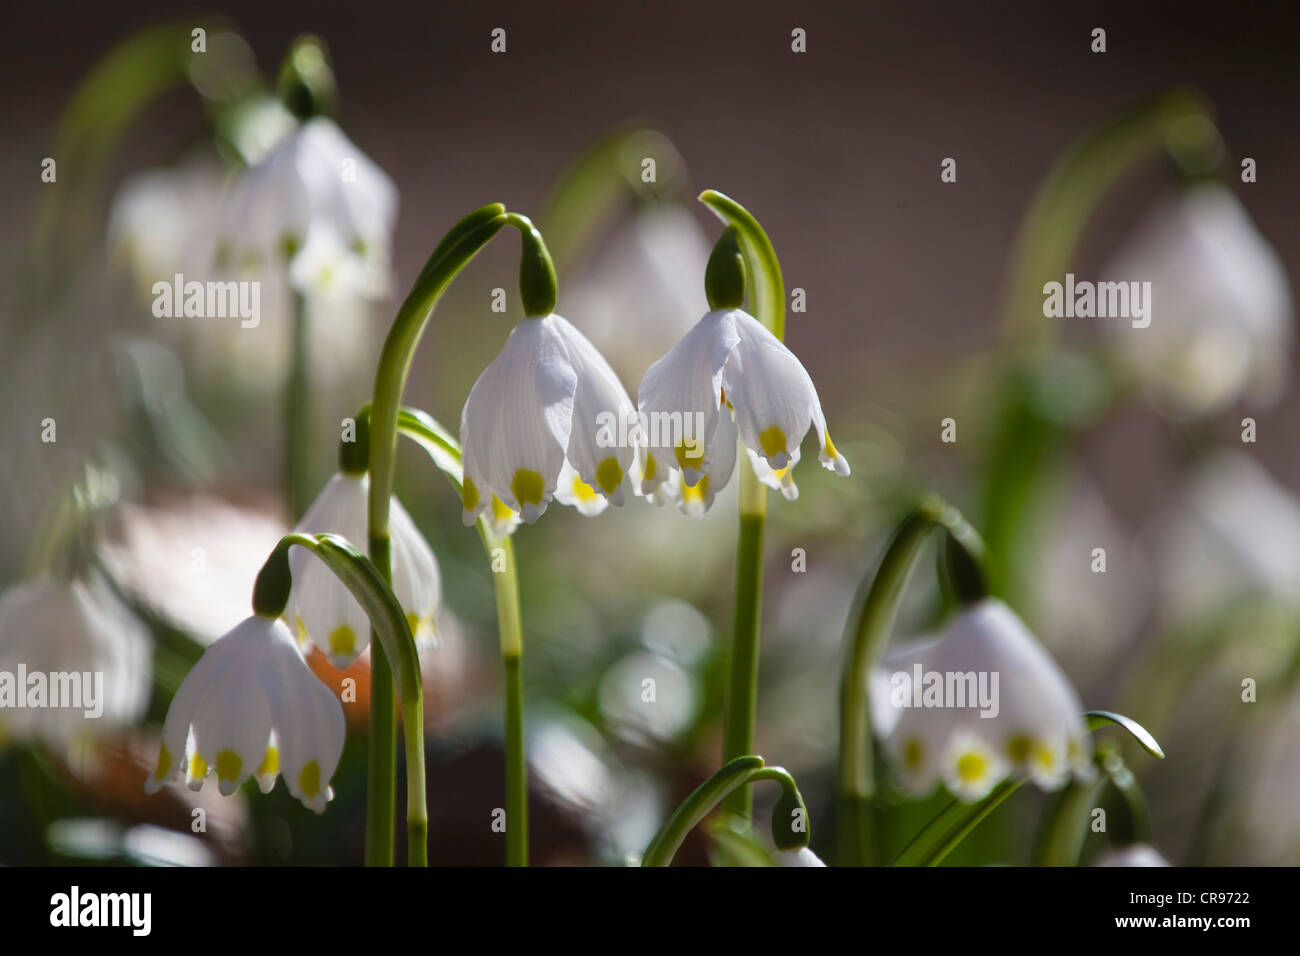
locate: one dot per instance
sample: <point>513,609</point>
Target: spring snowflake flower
<point>54,627</point>
<point>728,377</point>
<point>322,610</point>
<point>252,707</point>
<point>982,702</point>
<point>319,205</point>
<point>1222,315</point>
<point>548,418</point>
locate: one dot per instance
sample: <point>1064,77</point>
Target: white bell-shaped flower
<point>322,610</point>
<point>319,205</point>
<point>728,376</point>
<point>252,707</point>
<point>84,661</point>
<point>981,702</point>
<point>548,418</point>
<point>1221,313</point>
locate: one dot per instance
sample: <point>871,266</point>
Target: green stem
<point>446,454</point>
<point>735,775</point>
<point>866,643</point>
<point>506,585</point>
<point>866,646</point>
<point>741,700</point>
<point>393,640</point>
<point>297,417</point>
<point>452,254</point>
<point>766,291</point>
<point>381,773</point>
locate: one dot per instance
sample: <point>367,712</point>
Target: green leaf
<point>950,827</point>
<point>1100,718</point>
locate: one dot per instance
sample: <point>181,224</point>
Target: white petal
<point>417,582</point>
<point>576,493</point>
<point>773,396</point>
<point>603,439</point>
<point>679,400</point>
<point>307,717</point>
<point>516,422</point>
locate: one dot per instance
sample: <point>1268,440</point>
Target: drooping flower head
<point>319,206</point>
<point>321,609</point>
<point>728,377</point>
<point>981,702</point>
<point>251,707</point>
<point>1222,316</point>
<point>75,629</point>
<point>547,418</point>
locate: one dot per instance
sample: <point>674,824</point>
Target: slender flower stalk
<point>452,254</point>
<point>865,647</point>
<point>762,274</point>
<point>497,544</point>
<point>537,286</point>
<point>297,419</point>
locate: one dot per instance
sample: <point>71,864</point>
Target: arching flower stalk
<point>251,707</point>
<point>731,381</point>
<point>531,431</point>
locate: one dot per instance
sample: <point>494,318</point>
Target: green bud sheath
<point>306,85</point>
<point>354,456</point>
<point>271,590</point>
<point>724,278</point>
<point>790,821</point>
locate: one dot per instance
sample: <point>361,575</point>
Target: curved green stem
<point>735,775</point>
<point>451,255</point>
<point>740,708</point>
<point>446,454</point>
<point>878,604</point>
<point>392,633</point>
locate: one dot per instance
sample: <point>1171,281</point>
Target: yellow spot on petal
<point>696,492</point>
<point>1043,757</point>
<point>583,491</point>
<point>300,628</point>
<point>229,764</point>
<point>689,452</point>
<point>270,764</point>
<point>470,493</point>
<point>972,767</point>
<point>772,441</point>
<point>500,510</point>
<point>289,245</point>
<point>651,467</point>
<point>309,779</point>
<point>413,622</point>
<point>913,753</point>
<point>830,447</point>
<point>164,762</point>
<point>343,641</point>
<point>609,473</point>
<point>528,487</point>
<point>198,767</point>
